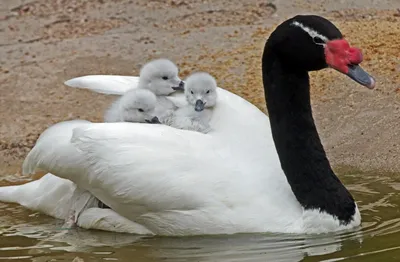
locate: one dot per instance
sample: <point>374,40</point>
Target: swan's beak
<point>180,87</point>
<point>346,59</point>
<point>154,120</point>
<point>360,76</point>
<point>199,106</point>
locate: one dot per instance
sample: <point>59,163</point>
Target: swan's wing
<point>116,85</point>
<point>104,84</point>
<point>154,168</point>
<point>138,168</point>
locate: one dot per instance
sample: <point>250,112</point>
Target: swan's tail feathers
<point>53,151</point>
<point>7,194</point>
<point>30,163</point>
<point>50,195</point>
<point>104,84</point>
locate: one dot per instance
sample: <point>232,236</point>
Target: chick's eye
<point>140,110</point>
<point>191,92</point>
<point>165,77</point>
<point>318,40</point>
<point>208,91</point>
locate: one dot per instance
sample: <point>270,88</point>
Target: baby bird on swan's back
<point>136,105</point>
<point>201,95</point>
<point>161,77</point>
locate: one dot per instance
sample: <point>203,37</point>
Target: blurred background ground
<point>45,42</point>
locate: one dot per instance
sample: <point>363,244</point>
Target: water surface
<point>29,236</point>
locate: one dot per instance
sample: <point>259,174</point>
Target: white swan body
<point>179,182</point>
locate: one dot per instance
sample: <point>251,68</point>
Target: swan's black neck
<point>300,151</point>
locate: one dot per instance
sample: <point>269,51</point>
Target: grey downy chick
<point>136,105</point>
<point>201,96</point>
<point>161,77</point>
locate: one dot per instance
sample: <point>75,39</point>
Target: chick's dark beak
<point>199,106</point>
<point>154,120</point>
<point>180,87</point>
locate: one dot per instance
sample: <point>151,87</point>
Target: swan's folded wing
<point>136,168</point>
<point>54,153</point>
<point>104,84</point>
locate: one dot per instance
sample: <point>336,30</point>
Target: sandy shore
<point>45,42</point>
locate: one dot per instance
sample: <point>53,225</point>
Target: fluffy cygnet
<point>201,95</point>
<point>161,77</point>
<point>136,105</point>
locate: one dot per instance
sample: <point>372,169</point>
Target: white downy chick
<point>201,95</point>
<point>136,105</point>
<point>161,77</point>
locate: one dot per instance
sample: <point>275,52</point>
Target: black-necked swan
<point>251,173</point>
<point>201,97</point>
<point>137,105</point>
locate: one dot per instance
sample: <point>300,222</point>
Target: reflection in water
<point>25,235</point>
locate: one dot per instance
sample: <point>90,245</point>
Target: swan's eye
<point>165,77</point>
<point>208,91</point>
<point>140,110</point>
<point>318,40</point>
<point>191,92</point>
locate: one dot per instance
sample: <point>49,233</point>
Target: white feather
<point>104,84</point>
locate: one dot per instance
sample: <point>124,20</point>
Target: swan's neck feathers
<point>300,151</point>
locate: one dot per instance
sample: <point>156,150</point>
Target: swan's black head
<point>309,43</point>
